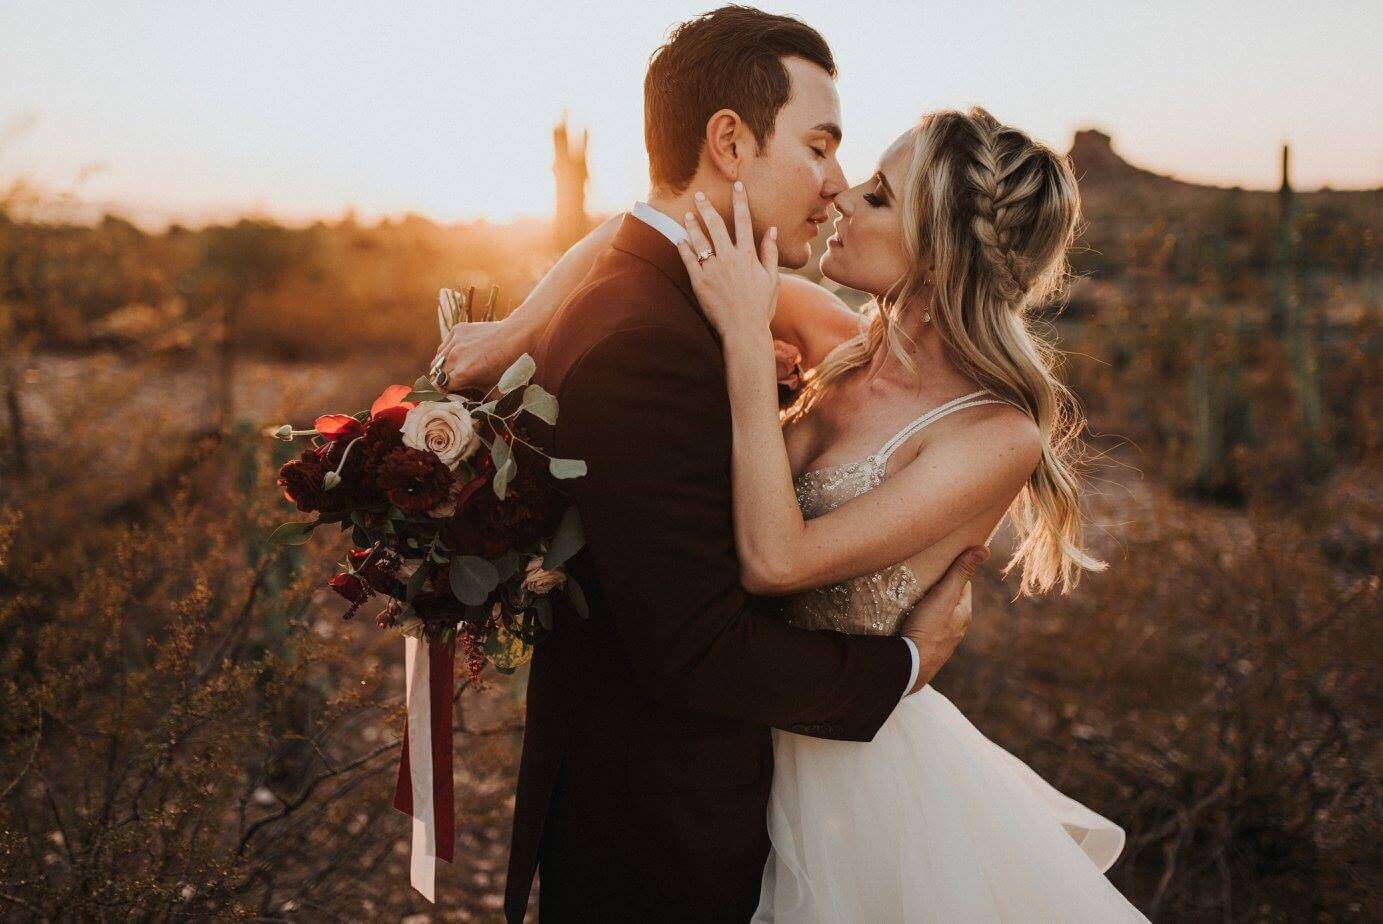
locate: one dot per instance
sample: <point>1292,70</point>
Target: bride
<point>918,430</point>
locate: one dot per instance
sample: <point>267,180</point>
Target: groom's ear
<point>729,143</point>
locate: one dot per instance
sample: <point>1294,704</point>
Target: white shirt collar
<point>669,228</point>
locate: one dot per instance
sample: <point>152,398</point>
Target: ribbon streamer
<point>424,787</point>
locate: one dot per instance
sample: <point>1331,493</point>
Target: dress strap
<point>956,404</point>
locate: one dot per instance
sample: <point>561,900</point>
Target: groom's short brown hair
<point>725,59</point>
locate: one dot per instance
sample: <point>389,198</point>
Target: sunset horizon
<point>149,114</point>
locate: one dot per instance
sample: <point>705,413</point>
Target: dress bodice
<point>871,604</point>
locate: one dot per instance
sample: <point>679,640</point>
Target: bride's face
<point>867,251</point>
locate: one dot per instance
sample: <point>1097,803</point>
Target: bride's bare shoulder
<point>999,430</point>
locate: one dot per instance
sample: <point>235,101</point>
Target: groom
<point>647,756</point>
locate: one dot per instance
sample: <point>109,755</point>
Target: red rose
<point>393,416</point>
<point>414,481</point>
<point>351,587</point>
<point>392,397</point>
<point>338,427</point>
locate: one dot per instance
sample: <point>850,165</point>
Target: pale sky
<point>200,110</point>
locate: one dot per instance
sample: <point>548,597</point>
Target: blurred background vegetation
<point>190,730</point>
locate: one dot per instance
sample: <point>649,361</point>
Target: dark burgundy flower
<point>379,570</point>
<point>382,436</point>
<point>414,481</point>
<point>301,481</point>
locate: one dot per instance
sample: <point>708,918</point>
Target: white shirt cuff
<point>916,666</point>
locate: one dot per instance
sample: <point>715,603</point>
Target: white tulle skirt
<point>930,821</point>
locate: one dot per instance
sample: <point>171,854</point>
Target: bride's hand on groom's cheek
<point>737,287</point>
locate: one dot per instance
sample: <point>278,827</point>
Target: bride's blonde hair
<point>994,213</point>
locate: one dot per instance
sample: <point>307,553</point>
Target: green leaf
<point>292,533</point>
<point>517,374</point>
<point>422,383</point>
<point>509,404</point>
<point>577,596</point>
<point>543,606</point>
<point>472,579</point>
<point>509,564</point>
<point>539,402</point>
<point>415,583</point>
<point>502,478</point>
<point>426,394</point>
<point>566,541</point>
<point>360,537</point>
<point>500,452</point>
<point>566,468</point>
<point>487,408</point>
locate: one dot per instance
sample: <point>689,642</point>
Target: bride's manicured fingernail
<point>700,196</point>
<point>689,218</point>
<point>739,187</point>
<point>773,232</point>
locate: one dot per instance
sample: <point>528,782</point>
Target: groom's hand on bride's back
<point>940,619</point>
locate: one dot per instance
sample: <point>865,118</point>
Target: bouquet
<point>458,528</point>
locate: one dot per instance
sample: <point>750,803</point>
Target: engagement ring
<point>704,255</point>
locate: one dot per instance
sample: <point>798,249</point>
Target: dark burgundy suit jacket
<point>647,756</point>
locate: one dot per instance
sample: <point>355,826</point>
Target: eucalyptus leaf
<point>517,374</point>
<point>472,579</point>
<point>509,564</point>
<point>415,583</point>
<point>566,541</point>
<point>292,533</point>
<point>501,453</point>
<point>539,402</point>
<point>543,606</point>
<point>421,383</point>
<point>503,476</point>
<point>509,404</point>
<point>566,468</point>
<point>487,408</point>
<point>577,596</point>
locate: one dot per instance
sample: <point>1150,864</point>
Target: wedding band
<point>704,255</point>
<point>440,378</point>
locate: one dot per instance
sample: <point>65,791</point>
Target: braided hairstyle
<point>991,213</point>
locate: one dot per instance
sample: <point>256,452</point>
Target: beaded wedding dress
<point>930,821</point>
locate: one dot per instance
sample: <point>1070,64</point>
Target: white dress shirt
<point>673,231</point>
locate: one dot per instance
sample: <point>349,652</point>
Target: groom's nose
<point>834,183</point>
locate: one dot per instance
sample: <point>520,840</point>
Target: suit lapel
<point>637,239</point>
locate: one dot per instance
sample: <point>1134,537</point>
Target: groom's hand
<point>940,619</point>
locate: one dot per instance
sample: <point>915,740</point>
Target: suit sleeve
<point>647,409</point>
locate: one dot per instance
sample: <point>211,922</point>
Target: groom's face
<point>793,179</point>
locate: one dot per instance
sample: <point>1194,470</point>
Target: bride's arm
<point>781,552</point>
<point>809,317</point>
<point>478,353</point>
<point>812,318</point>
